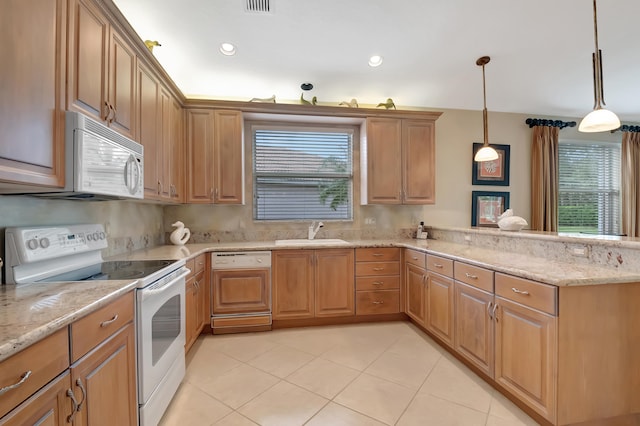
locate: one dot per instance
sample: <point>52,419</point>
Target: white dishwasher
<point>240,291</point>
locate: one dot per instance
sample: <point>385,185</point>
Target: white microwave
<point>100,164</point>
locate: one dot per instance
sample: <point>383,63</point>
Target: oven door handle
<point>155,290</point>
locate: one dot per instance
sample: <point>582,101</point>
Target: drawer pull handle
<point>524,293</point>
<point>438,265</point>
<point>489,310</point>
<point>106,323</point>
<point>84,394</point>
<point>377,254</point>
<point>378,282</point>
<point>378,269</point>
<point>473,277</point>
<point>23,379</point>
<point>378,302</point>
<point>415,257</point>
<point>71,416</point>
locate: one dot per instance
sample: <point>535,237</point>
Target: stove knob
<point>102,235</point>
<point>32,244</point>
<point>44,242</point>
<point>89,237</point>
<point>95,236</point>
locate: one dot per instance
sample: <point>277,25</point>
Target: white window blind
<point>589,187</point>
<point>302,174</point>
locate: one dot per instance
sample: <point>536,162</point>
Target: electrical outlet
<point>370,221</point>
<point>579,251</point>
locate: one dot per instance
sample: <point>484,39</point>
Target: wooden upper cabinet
<point>148,131</point>
<point>215,157</point>
<point>102,69</point>
<point>164,159</point>
<point>199,156</point>
<point>418,160</point>
<point>384,147</point>
<point>400,161</point>
<point>32,107</point>
<point>228,158</point>
<point>177,152</point>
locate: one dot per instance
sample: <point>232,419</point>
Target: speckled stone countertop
<point>30,312</point>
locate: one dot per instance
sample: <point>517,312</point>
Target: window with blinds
<point>302,173</point>
<point>589,187</point>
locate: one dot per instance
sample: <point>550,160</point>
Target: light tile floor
<point>364,374</point>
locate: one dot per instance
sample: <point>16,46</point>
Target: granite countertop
<point>30,312</point>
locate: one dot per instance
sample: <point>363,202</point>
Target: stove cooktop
<point>113,270</point>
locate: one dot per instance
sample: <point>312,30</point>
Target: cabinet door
<point>32,67</point>
<point>474,326</point>
<point>148,131</point>
<point>526,358</point>
<point>439,307</point>
<point>166,142</point>
<point>122,87</point>
<point>177,152</point>
<point>418,162</point>
<point>201,302</point>
<point>191,312</point>
<point>293,287</point>
<point>384,179</point>
<point>105,379</point>
<point>228,158</point>
<point>415,288</point>
<point>200,156</point>
<point>241,291</point>
<point>49,406</point>
<point>88,56</point>
<point>334,283</point>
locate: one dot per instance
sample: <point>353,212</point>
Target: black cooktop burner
<point>113,270</point>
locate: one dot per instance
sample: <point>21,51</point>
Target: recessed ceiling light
<point>375,61</point>
<point>227,49</point>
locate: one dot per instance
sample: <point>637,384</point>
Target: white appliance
<point>100,164</point>
<point>73,253</point>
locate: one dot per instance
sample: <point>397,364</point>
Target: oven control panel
<point>241,260</point>
<point>30,245</point>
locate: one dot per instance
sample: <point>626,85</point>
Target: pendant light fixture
<point>486,153</point>
<point>600,119</point>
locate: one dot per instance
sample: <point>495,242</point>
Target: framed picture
<point>486,206</point>
<point>494,172</point>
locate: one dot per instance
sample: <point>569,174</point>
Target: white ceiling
<point>540,51</point>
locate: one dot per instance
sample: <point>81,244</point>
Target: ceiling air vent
<point>258,6</point>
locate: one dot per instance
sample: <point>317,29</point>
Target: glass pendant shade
<point>599,120</point>
<point>486,153</point>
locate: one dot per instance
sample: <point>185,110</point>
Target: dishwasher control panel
<point>241,260</point>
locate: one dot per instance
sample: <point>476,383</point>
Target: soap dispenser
<point>419,231</point>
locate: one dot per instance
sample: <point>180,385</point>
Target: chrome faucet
<point>313,229</point>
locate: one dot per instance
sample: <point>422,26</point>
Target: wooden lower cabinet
<point>474,326</point>
<point>439,307</point>
<point>49,406</point>
<point>313,283</point>
<point>525,355</point>
<point>416,279</point>
<point>196,297</point>
<point>104,382</point>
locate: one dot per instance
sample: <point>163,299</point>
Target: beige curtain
<point>544,178</point>
<point>630,185</point>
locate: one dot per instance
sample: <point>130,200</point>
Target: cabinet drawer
<point>415,257</point>
<point>377,254</point>
<point>191,264</point>
<point>377,302</point>
<point>88,332</point>
<point>441,265</point>
<point>377,268</point>
<point>199,263</point>
<point>378,283</point>
<point>474,276</point>
<point>529,293</point>
<point>37,365</point>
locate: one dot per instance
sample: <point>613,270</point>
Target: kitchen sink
<point>306,242</point>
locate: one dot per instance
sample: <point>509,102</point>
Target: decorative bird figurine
<point>180,235</point>
<point>151,44</point>
<point>303,101</point>
<point>267,100</point>
<point>388,105</point>
<point>353,103</point>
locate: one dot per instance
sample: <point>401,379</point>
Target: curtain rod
<point>627,128</point>
<point>551,123</point>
